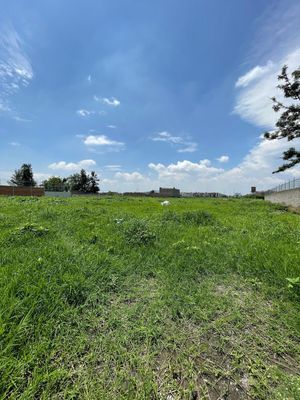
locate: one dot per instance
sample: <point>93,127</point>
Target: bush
<point>137,232</point>
<point>170,216</point>
<point>197,218</point>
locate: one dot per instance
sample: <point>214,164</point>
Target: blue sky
<point>147,93</point>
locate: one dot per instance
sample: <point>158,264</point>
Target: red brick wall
<point>21,191</point>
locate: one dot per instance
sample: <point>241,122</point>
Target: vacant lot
<point>122,298</point>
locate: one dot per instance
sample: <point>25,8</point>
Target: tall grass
<point>119,298</point>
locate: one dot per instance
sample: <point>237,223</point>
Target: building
<point>202,194</point>
<point>169,192</point>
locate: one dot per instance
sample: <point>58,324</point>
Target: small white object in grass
<point>165,203</point>
<point>119,220</point>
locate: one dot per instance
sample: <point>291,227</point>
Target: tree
<point>23,176</point>
<point>93,183</point>
<point>83,182</point>
<point>288,124</point>
<point>55,183</point>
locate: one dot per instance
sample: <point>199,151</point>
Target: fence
<point>292,184</point>
<point>21,191</point>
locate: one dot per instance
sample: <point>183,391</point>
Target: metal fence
<point>292,184</point>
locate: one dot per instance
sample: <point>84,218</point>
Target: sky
<point>146,93</point>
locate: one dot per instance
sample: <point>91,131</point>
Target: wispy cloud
<point>113,167</point>
<point>276,43</point>
<point>112,101</point>
<point>254,98</point>
<point>20,119</point>
<point>84,113</point>
<point>15,66</point>
<point>182,144</point>
<point>15,144</point>
<point>87,113</point>
<point>72,166</point>
<point>254,74</point>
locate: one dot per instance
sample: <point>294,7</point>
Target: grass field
<point>121,298</point>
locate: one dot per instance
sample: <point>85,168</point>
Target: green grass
<point>121,298</point>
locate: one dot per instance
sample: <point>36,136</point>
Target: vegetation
<point>84,182</point>
<point>80,182</point>
<point>56,183</point>
<point>288,124</point>
<point>23,176</point>
<point>121,298</point>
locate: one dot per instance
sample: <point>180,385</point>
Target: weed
<point>33,229</point>
<point>197,217</point>
<point>138,232</point>
<point>119,298</point>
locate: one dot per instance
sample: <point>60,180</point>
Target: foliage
<point>84,182</point>
<point>294,283</point>
<point>55,183</point>
<point>37,230</point>
<point>197,217</point>
<point>288,124</point>
<point>23,176</point>
<point>119,298</point>
<point>138,232</point>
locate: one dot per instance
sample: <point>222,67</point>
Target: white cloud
<point>84,113</point>
<point>255,169</point>
<point>87,113</point>
<point>15,144</point>
<point>15,66</point>
<point>113,167</point>
<point>223,159</point>
<point>112,101</point>
<point>129,177</point>
<point>40,176</point>
<point>89,78</point>
<point>253,74</point>
<point>167,137</point>
<point>253,101</point>
<point>183,168</point>
<point>188,146</point>
<point>111,126</point>
<point>276,38</point>
<point>101,140</point>
<point>20,119</point>
<point>71,166</point>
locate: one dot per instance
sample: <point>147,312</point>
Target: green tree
<point>23,176</point>
<point>93,183</point>
<point>83,182</point>
<point>55,183</point>
<point>288,124</point>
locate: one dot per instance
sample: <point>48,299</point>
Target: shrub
<point>137,232</point>
<point>197,217</point>
<point>170,216</point>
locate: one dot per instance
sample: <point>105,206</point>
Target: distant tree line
<point>82,181</point>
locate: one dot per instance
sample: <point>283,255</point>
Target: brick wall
<point>21,191</point>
